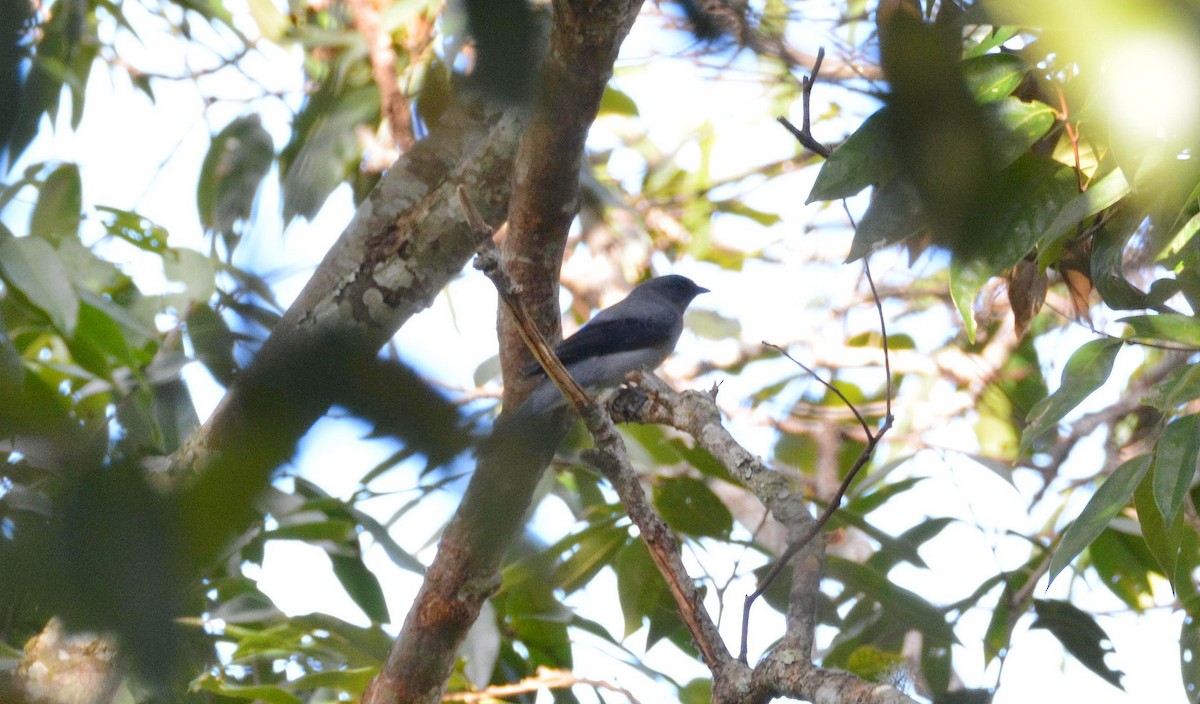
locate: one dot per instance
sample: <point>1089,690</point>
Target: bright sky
<point>143,156</point>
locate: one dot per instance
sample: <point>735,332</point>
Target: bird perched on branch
<point>636,333</point>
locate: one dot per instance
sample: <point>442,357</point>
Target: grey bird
<point>639,332</point>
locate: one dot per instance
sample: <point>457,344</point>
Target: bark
<point>584,41</point>
<point>404,244</point>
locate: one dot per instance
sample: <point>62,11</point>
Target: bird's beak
<point>701,289</point>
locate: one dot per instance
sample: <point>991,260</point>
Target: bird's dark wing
<point>601,337</point>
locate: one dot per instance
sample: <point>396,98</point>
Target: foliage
<point>1011,173</point>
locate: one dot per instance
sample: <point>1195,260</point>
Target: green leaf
<point>615,102</point>
<point>353,680</point>
<point>1103,193</point>
<point>324,149</point>
<point>59,205</point>
<point>690,507</point>
<point>337,530</point>
<point>1162,539</point>
<point>640,587</point>
<point>362,585</point>
<point>993,76</point>
<point>1084,372</point>
<point>894,215</point>
<point>266,693</point>
<point>1181,386</point>
<point>237,160</point>
<point>901,604</point>
<point>1189,655</point>
<point>1015,126</point>
<point>1079,634</point>
<point>594,553</point>
<point>212,342</point>
<point>195,271</point>
<point>135,229</point>
<point>864,159</point>
<point>31,266</point>
<point>1170,327</point>
<point>1123,563</point>
<point>967,278</point>
<point>1175,463</point>
<point>1106,503</point>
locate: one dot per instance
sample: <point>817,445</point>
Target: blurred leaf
<point>1103,193</point>
<point>352,680</point>
<point>1170,327</point>
<point>59,205</point>
<point>894,215</point>
<point>269,694</point>
<point>711,325</point>
<point>135,230</point>
<point>1016,126</point>
<point>593,553</point>
<point>993,76</point>
<point>362,586</point>
<point>901,604</point>
<point>1176,459</point>
<point>324,149</point>
<point>615,102</point>
<point>238,158</point>
<point>1123,563</point>
<point>640,588</point>
<point>212,342</point>
<point>1088,368</point>
<point>270,21</point>
<point>690,507</point>
<point>697,691</point>
<point>1105,504</point>
<point>1189,655</point>
<point>31,266</point>
<point>738,207</point>
<point>195,271</point>
<point>1161,538</point>
<point>1080,635</point>
<point>864,159</point>
<point>1181,386</point>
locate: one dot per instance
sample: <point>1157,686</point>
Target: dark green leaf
<point>1079,634</point>
<point>1123,563</point>
<point>1103,193</point>
<point>59,205</point>
<point>1084,372</point>
<point>334,529</point>
<point>895,214</point>
<point>690,507</point>
<point>238,158</point>
<point>594,553</point>
<point>993,76</point>
<point>212,342</point>
<point>698,691</point>
<point>31,266</point>
<point>1189,656</point>
<point>362,586</point>
<point>1105,504</point>
<point>266,693</point>
<point>1181,386</point>
<point>352,680</point>
<point>901,604</point>
<point>1169,327</point>
<point>1016,126</point>
<point>864,159</point>
<point>1175,462</point>
<point>1162,539</point>
<point>967,278</point>
<point>323,154</point>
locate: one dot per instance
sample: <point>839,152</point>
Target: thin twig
<point>836,501</point>
<point>803,134</point>
<point>546,678</point>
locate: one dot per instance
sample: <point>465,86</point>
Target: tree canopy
<point>944,393</point>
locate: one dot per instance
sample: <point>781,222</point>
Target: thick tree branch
<point>584,41</point>
<point>788,669</point>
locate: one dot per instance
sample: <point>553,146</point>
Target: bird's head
<point>680,290</point>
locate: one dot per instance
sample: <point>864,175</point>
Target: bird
<point>639,332</point>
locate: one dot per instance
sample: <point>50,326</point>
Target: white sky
<point>145,157</point>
